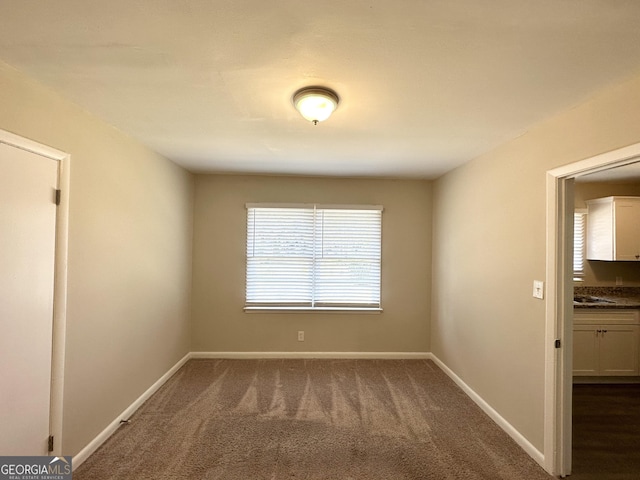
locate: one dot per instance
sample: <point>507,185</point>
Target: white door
<point>27,251</point>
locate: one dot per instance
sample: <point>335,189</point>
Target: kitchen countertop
<point>606,297</point>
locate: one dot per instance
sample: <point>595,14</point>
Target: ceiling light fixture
<point>316,104</point>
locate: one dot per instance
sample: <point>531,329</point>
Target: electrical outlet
<point>301,335</point>
<point>618,281</point>
<point>538,289</point>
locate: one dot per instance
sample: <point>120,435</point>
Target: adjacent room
<point>303,240</point>
<point>605,328</point>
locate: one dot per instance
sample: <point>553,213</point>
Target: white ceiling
<point>425,85</point>
<point>629,173</point>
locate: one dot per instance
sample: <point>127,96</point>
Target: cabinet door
<point>627,229</point>
<point>600,230</point>
<point>585,350</point>
<point>619,350</point>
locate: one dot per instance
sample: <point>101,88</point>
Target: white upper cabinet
<point>613,229</point>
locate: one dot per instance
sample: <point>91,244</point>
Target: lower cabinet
<point>606,343</point>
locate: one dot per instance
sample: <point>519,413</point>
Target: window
<point>579,243</point>
<point>313,257</point>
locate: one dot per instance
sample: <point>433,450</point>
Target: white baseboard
<point>527,446</point>
<point>113,426</point>
<point>336,355</point>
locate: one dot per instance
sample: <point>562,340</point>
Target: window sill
<point>358,310</point>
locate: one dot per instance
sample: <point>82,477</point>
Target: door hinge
<point>58,193</point>
<point>50,443</point>
<point>557,343</point>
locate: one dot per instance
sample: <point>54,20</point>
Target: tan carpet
<point>310,419</point>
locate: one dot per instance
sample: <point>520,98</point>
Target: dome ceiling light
<point>316,104</point>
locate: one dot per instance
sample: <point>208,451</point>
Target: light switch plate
<point>538,289</point>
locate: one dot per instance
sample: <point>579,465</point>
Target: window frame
<point>322,307</point>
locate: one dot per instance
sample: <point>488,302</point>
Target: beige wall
<point>219,323</point>
<point>129,274</point>
<point>489,246</point>
<point>598,273</point>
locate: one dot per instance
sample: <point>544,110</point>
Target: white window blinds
<point>579,243</point>
<point>313,256</point>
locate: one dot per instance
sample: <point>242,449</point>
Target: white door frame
<point>60,279</point>
<point>559,307</point>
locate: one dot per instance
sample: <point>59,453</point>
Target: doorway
<point>34,278</point>
<point>559,308</point>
